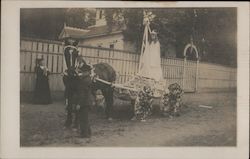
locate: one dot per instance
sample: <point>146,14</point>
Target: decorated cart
<point>148,84</point>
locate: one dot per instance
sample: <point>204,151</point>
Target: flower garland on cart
<point>171,102</point>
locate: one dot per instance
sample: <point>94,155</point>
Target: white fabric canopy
<point>150,59</point>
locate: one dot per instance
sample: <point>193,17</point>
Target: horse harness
<point>82,69</point>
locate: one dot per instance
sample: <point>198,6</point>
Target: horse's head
<point>70,54</point>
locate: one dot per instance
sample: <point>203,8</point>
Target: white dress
<point>151,62</point>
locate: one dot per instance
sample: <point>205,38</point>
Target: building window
<point>112,46</point>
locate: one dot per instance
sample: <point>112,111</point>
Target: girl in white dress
<point>151,67</point>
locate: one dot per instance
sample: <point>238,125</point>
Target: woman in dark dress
<point>42,90</point>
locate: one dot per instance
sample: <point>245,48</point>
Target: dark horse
<point>80,89</point>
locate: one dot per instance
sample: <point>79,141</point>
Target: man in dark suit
<point>77,81</point>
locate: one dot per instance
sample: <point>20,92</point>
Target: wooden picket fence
<point>191,75</point>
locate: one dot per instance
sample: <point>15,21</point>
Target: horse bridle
<point>77,70</point>
<point>70,46</point>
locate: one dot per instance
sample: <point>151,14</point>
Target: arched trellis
<point>193,48</point>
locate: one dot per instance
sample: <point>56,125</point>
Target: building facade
<point>100,35</point>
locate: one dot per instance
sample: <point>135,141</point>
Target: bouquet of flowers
<point>45,70</point>
<point>143,103</point>
<point>171,102</point>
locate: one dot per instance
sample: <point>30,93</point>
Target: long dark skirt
<point>42,91</point>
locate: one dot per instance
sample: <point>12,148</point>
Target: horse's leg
<point>69,108</point>
<point>108,95</point>
<point>93,92</point>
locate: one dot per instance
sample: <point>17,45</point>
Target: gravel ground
<point>42,125</point>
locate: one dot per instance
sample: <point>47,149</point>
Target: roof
<point>79,33</point>
<point>72,32</point>
<point>103,30</point>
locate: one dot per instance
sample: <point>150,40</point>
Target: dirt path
<point>43,125</point>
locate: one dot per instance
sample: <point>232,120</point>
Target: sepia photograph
<point>128,76</point>
<point>116,76</point>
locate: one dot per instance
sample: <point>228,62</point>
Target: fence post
<point>183,77</point>
<point>197,75</point>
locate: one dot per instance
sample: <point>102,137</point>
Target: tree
<point>175,27</point>
<point>131,19</point>
<point>213,30</point>
<point>41,23</point>
<point>79,17</point>
<point>134,26</point>
<point>219,28</point>
<point>48,23</point>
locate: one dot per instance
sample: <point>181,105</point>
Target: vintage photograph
<point>128,77</point>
